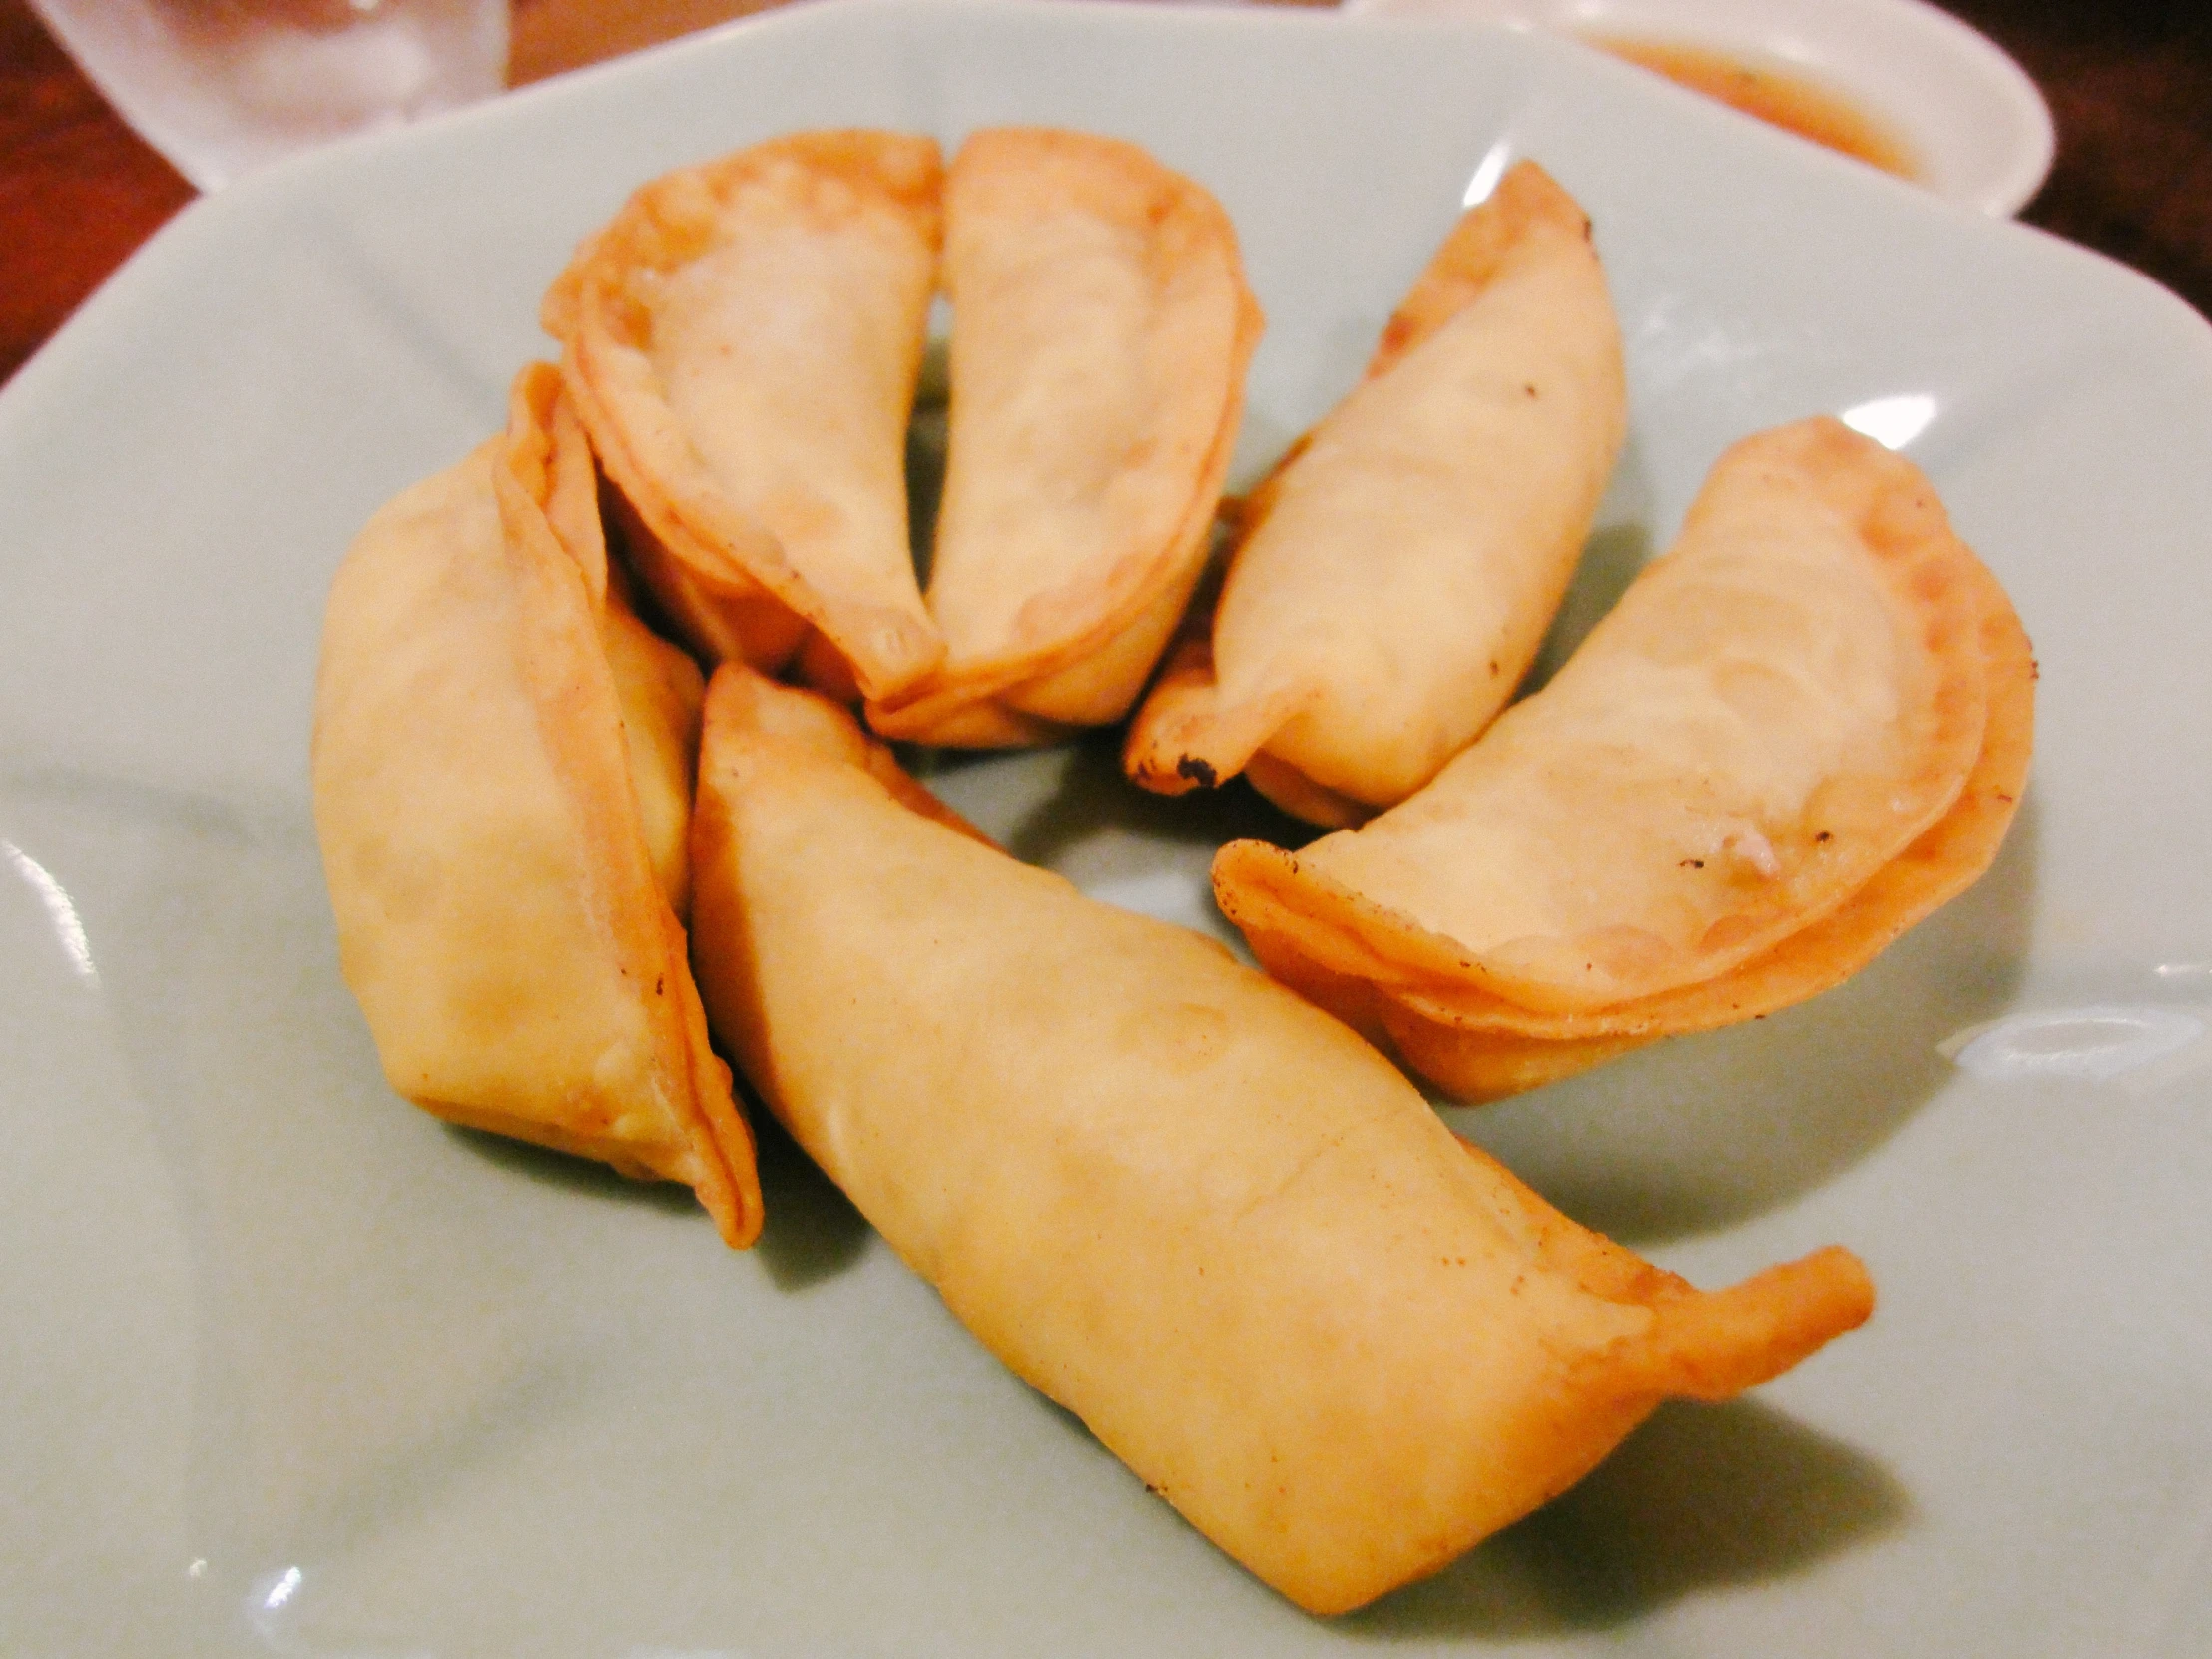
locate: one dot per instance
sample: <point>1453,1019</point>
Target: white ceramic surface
<point>285,1367</point>
<point>1972,117</point>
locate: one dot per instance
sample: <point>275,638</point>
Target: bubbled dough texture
<point>1089,360</point>
<point>1412,555</point>
<point>789,354</point>
<point>1185,1204</point>
<point>523,1010</point>
<point>1757,688</point>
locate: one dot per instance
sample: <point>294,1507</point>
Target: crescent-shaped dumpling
<point>502,764</point>
<point>744,341</point>
<point>1184,1204</point>
<point>1801,730</point>
<point>1395,576</point>
<point>1101,328</point>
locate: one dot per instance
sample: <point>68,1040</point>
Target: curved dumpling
<point>744,341</point>
<point>1100,332</point>
<point>1800,731</point>
<point>502,762</point>
<point>1395,576</point>
<point>1186,1205</point>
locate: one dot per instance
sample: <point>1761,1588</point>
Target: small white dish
<point>1971,118</point>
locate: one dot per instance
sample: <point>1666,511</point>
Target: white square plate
<point>288,1366</point>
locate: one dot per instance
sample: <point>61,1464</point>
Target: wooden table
<point>2130,83</point>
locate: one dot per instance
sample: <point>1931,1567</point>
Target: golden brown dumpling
<point>1100,332</point>
<point>744,341</point>
<point>1395,576</point>
<point>1798,732</point>
<point>502,760</point>
<point>1182,1203</point>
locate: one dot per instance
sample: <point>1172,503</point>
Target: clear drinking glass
<point>220,87</point>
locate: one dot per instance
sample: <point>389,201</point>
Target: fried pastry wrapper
<point>502,765</point>
<point>795,718</point>
<point>1184,1204</point>
<point>1100,334</point>
<point>1396,574</point>
<point>1817,617</point>
<point>744,341</point>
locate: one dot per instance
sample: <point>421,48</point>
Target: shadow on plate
<point>1093,797</point>
<point>1611,559</point>
<point>1704,1132</point>
<point>810,1232</point>
<point>571,1172</point>
<point>1701,1497</point>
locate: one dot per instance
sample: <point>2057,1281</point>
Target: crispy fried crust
<point>1814,917</point>
<point>1183,1204</point>
<point>1101,330</point>
<point>744,341</point>
<point>501,762</point>
<point>1395,574</point>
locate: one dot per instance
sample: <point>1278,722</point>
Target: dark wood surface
<point>2129,82</point>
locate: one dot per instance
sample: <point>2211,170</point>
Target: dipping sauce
<point>1776,94</point>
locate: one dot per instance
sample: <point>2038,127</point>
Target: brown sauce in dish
<point>1781,96</point>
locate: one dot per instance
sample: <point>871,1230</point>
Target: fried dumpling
<point>502,767</point>
<point>1100,332</point>
<point>744,341</point>
<point>1798,732</point>
<point>1184,1204</point>
<point>1396,574</point>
